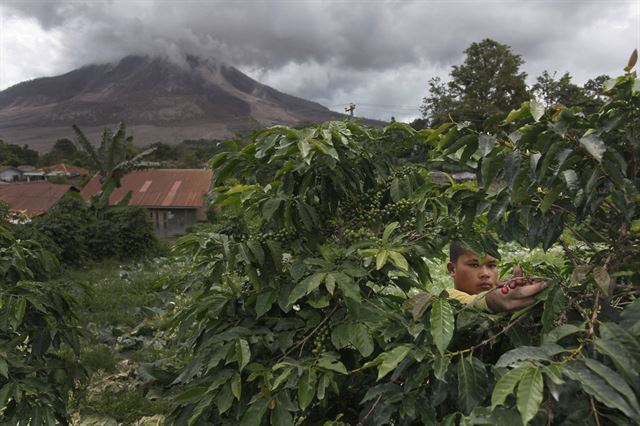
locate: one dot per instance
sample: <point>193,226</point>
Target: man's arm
<point>509,296</point>
<point>517,298</point>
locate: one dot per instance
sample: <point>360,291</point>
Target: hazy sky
<point>377,54</point>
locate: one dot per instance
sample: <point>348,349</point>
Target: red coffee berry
<point>512,285</point>
<point>504,289</point>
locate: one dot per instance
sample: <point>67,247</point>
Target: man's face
<point>472,274</point>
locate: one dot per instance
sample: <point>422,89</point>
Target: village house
<point>64,170</point>
<point>10,174</point>
<point>30,174</point>
<point>32,198</point>
<point>174,198</point>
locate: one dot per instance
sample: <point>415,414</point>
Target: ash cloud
<point>368,52</point>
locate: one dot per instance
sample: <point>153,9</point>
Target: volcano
<point>159,100</point>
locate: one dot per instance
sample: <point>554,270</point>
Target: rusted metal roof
<point>162,188</point>
<point>33,197</point>
<point>67,169</point>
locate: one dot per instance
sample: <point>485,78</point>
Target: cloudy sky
<point>377,54</point>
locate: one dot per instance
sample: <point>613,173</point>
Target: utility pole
<point>350,109</point>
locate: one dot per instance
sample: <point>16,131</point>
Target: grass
<point>120,304</point>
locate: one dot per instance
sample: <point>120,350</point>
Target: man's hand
<point>513,293</point>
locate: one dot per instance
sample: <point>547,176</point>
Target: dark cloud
<point>330,50</point>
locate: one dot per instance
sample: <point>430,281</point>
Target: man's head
<point>471,273</point>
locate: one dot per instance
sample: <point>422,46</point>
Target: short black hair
<point>455,250</point>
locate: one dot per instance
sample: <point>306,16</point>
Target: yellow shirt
<point>478,301</point>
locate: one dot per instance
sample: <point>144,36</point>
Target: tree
<point>488,82</point>
<point>36,325</point>
<point>310,301</point>
<point>15,155</point>
<point>112,160</point>
<point>561,91</point>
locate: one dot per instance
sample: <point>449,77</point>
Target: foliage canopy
<point>312,301</point>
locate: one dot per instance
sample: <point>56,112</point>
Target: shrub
<point>322,307</point>
<point>35,323</point>
<point>67,224</point>
<point>131,231</point>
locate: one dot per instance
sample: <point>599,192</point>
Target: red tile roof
<point>158,188</point>
<point>33,197</point>
<point>65,168</point>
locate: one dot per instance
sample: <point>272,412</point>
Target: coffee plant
<point>312,301</point>
<point>36,323</point>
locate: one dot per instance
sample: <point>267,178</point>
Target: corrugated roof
<point>66,168</point>
<point>158,188</point>
<point>3,168</point>
<point>32,197</point>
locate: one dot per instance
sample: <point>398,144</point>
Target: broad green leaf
<point>270,207</point>
<point>306,388</point>
<point>537,109</point>
<point>191,395</point>
<point>264,301</point>
<point>381,258</point>
<point>388,230</point>
<point>361,339</point>
<point>528,353</point>
<point>594,145</point>
<point>442,324</point>
<point>472,382</point>
<point>486,143</point>
<point>619,354</point>
<point>4,368</point>
<point>18,310</point>
<point>559,332</point>
<point>6,392</point>
<point>399,260</point>
<point>505,386</point>
<point>529,394</point>
<point>224,399</point>
<point>549,198</point>
<point>322,386</point>
<point>597,387</point>
<point>330,283</point>
<point>616,381</point>
<point>391,360</point>
<point>489,168</point>
<point>236,386</point>
<point>306,286</point>
<point>340,336</point>
<point>332,364</point>
<point>571,180</point>
<point>348,286</point>
<point>632,61</point>
<point>440,367</point>
<point>286,372</point>
<point>394,191</point>
<point>203,405</point>
<point>437,132</point>
<point>254,413</point>
<point>553,306</point>
<point>280,416</point>
<point>243,353</point>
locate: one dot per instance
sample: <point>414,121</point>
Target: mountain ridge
<point>159,100</point>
